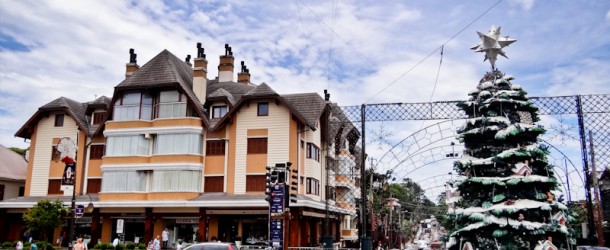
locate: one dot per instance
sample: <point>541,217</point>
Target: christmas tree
<point>505,199</point>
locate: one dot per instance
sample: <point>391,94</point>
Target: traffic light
<point>292,183</point>
<point>281,173</point>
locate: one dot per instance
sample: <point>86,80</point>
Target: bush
<point>130,245</point>
<point>120,247</point>
<point>42,245</point>
<point>8,244</point>
<point>103,246</point>
<point>142,246</point>
<point>27,244</point>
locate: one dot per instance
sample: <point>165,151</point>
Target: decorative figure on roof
<point>132,56</point>
<point>492,45</point>
<point>188,59</point>
<point>200,51</point>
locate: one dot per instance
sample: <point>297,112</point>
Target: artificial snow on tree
<point>506,200</point>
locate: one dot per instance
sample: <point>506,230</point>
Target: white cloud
<point>79,49</point>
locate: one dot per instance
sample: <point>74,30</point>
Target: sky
<point>361,51</point>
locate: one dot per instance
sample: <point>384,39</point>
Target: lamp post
<point>67,149</point>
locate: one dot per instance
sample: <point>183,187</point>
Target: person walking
<point>19,245</point>
<point>79,245</point>
<point>165,237</point>
<point>157,242</point>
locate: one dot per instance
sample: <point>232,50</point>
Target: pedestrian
<point>179,246</point>
<point>115,242</point>
<point>60,239</point>
<point>19,245</point>
<point>34,246</point>
<point>157,243</point>
<point>79,245</point>
<point>165,237</point>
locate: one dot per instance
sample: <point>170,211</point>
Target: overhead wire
<point>330,47</point>
<point>434,51</point>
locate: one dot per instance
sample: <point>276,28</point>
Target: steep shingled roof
<point>12,165</point>
<point>221,94</point>
<point>310,105</point>
<point>73,108</point>
<point>164,70</point>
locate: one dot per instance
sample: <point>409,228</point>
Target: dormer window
<point>219,111</point>
<point>98,118</point>
<point>171,104</point>
<point>133,106</point>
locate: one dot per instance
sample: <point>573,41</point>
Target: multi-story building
<point>175,149</point>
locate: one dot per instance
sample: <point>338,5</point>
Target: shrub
<point>42,245</point>
<point>27,244</point>
<point>8,244</point>
<point>142,246</point>
<point>130,245</point>
<point>120,247</point>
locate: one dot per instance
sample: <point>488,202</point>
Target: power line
<point>434,51</point>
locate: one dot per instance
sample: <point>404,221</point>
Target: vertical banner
<point>69,175</point>
<point>276,220</point>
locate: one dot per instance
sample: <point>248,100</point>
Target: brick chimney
<point>243,77</point>
<point>200,74</point>
<point>132,66</point>
<point>226,67</point>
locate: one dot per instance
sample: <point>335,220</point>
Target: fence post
<point>365,241</point>
<point>585,167</point>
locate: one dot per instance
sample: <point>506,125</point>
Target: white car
<point>422,245</point>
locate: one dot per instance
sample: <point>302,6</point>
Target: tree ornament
<point>492,45</point>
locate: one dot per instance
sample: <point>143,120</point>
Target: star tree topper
<point>492,45</point>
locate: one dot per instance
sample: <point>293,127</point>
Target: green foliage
<point>43,245</point>
<point>130,245</point>
<point>8,244</point>
<point>120,247</point>
<point>20,151</point>
<point>27,244</point>
<point>142,246</point>
<point>45,215</point>
<point>104,246</point>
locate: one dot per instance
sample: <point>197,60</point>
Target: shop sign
<point>83,220</point>
<point>187,221</point>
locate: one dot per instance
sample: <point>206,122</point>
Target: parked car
<point>212,246</point>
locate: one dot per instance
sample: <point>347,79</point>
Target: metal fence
<point>417,141</point>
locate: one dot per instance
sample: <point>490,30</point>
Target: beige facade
<point>195,164</point>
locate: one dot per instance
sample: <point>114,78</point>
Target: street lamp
<point>90,207</point>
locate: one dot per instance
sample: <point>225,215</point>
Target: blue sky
<point>355,49</point>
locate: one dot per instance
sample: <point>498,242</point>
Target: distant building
<point>13,171</point>
<point>172,148</point>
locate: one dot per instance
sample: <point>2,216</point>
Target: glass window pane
<point>169,96</point>
<point>131,98</point>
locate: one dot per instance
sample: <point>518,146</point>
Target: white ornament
<point>492,45</point>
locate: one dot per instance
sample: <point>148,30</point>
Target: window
<point>97,152</point>
<point>171,104</point>
<point>255,183</point>
<point>312,186</point>
<point>214,184</point>
<point>94,186</point>
<point>98,118</point>
<point>331,193</point>
<point>129,145</point>
<point>59,120</point>
<point>257,145</point>
<point>313,152</point>
<point>21,191</point>
<point>215,147</point>
<point>133,106</point>
<point>176,181</point>
<point>263,109</point>
<point>55,186</point>
<point>54,154</point>
<point>1,192</point>
<point>177,144</point>
<point>219,111</point>
<point>124,181</point>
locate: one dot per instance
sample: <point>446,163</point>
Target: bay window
<point>177,144</point>
<point>176,181</point>
<point>219,111</point>
<point>171,104</point>
<point>129,145</point>
<point>124,181</point>
<point>133,105</point>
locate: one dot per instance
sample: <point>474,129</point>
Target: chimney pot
<point>132,66</point>
<point>188,59</point>
<point>200,51</point>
